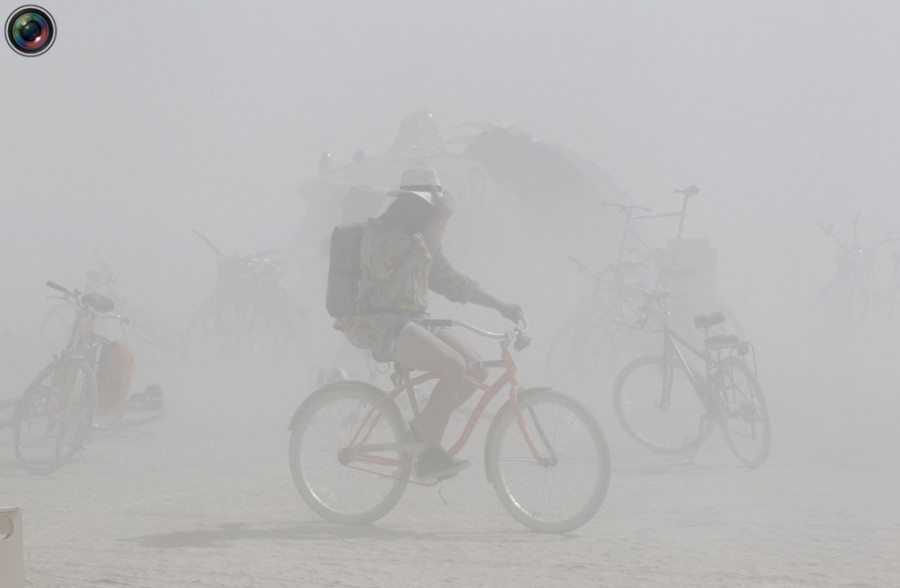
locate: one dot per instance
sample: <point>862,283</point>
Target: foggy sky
<point>145,121</point>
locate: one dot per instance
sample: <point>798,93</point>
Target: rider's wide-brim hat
<point>419,181</point>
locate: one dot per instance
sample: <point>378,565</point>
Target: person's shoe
<point>436,464</point>
<point>152,397</point>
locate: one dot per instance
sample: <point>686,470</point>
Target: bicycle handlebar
<point>520,329</point>
<point>625,207</point>
<point>206,240</point>
<point>56,286</point>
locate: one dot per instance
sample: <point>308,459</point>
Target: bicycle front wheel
<point>551,470</point>
<point>743,415</point>
<point>346,453</point>
<point>658,407</point>
<point>54,415</point>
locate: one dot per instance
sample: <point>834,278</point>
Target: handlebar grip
<point>56,286</point>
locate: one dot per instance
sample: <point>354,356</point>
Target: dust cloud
<point>144,128</point>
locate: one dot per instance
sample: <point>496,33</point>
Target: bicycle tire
<point>43,439</point>
<point>639,396</point>
<point>335,412</point>
<point>212,330</point>
<point>578,466</point>
<point>743,415</point>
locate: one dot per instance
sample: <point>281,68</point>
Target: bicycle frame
<point>671,342</point>
<point>508,378</point>
<point>673,346</point>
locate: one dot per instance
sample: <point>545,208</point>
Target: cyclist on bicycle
<point>401,259</point>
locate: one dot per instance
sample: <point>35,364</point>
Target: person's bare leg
<point>457,342</point>
<point>418,349</point>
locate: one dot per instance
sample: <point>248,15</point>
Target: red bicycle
<point>351,450</point>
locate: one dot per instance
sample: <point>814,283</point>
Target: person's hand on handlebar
<point>511,311</point>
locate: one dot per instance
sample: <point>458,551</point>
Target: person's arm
<point>508,310</point>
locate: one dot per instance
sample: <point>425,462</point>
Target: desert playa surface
<point>204,498</point>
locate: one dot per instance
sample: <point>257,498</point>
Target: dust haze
<point>144,126</point>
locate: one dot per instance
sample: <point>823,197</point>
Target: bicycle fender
<point>326,389</point>
<point>507,406</point>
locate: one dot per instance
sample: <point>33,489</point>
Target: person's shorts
<point>386,349</point>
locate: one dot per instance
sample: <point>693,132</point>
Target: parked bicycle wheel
<point>340,480</point>
<point>743,416</point>
<point>54,415</point>
<point>657,406</point>
<point>845,306</point>
<point>213,329</point>
<point>563,488</point>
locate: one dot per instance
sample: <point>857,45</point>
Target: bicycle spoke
<point>564,485</point>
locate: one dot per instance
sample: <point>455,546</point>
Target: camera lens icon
<point>30,30</point>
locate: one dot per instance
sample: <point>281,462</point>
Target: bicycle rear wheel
<point>658,407</point>
<point>563,488</point>
<point>743,415</point>
<point>336,476</point>
<point>54,415</point>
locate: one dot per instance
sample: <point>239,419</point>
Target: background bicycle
<point>671,401</point>
<point>598,334</point>
<point>249,311</point>
<point>351,449</point>
<point>54,415</point>
<point>855,292</point>
<point>152,339</point>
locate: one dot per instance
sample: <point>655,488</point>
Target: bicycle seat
<point>705,321</point>
<point>98,302</point>
<point>689,191</point>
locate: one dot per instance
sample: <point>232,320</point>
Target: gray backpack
<point>344,270</point>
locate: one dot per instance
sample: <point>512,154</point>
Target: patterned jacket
<point>397,272</point>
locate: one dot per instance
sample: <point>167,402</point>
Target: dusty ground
<point>205,498</point>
